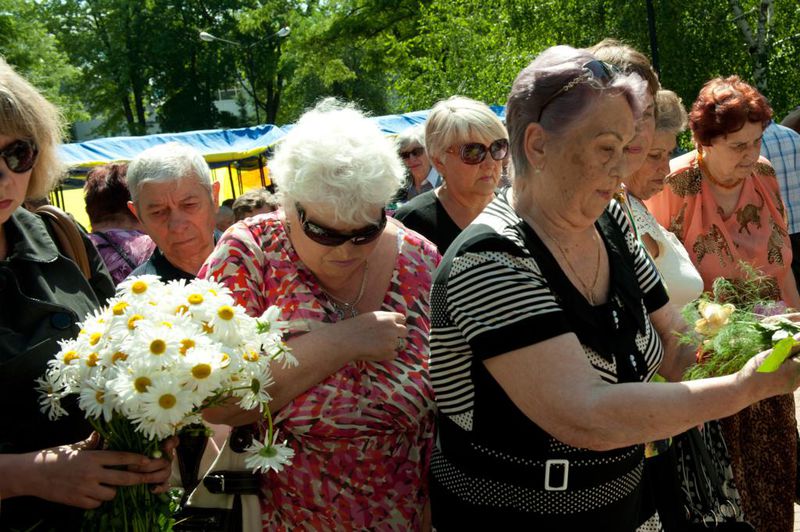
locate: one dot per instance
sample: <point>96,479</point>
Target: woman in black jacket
<point>48,469</point>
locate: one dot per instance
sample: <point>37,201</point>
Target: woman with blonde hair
<point>468,146</point>
<point>48,469</point>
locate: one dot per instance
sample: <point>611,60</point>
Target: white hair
<point>411,135</point>
<point>167,162</point>
<point>337,156</point>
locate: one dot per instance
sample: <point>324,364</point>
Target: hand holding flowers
<point>147,365</point>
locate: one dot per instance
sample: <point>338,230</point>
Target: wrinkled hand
<point>161,468</point>
<point>375,336</point>
<point>784,380</point>
<point>78,475</point>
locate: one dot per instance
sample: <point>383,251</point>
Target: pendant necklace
<point>347,309</point>
<point>587,289</point>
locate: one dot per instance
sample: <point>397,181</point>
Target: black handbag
<point>709,493</point>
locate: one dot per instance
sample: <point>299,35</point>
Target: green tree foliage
<point>28,47</point>
<point>142,59</point>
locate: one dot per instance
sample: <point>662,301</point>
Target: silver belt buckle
<point>556,462</point>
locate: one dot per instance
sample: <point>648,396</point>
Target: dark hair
<point>724,106</point>
<point>628,60</point>
<point>549,73</point>
<point>106,193</point>
<point>251,201</point>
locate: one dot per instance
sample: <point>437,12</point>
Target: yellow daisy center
<point>225,312</point>
<point>69,356</point>
<point>226,359</point>
<point>94,338</point>
<point>139,287</point>
<point>195,299</point>
<point>207,328</point>
<point>158,346</point>
<point>181,309</point>
<point>186,344</point>
<point>100,396</point>
<point>92,359</point>
<point>201,371</point>
<point>251,356</point>
<point>133,319</point>
<point>119,355</point>
<point>167,324</point>
<point>212,291</point>
<point>167,401</point>
<point>142,384</point>
<point>119,308</point>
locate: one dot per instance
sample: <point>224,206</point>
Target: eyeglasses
<point>329,237</point>
<point>414,152</point>
<point>475,152</point>
<point>594,69</point>
<point>20,155</point>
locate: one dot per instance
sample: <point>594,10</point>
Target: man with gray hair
<point>174,198</point>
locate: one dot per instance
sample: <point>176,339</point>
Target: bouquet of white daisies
<point>147,364</point>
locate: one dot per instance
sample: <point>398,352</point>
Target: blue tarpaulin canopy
<point>220,147</point>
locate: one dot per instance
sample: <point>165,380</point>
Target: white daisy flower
<point>96,400</point>
<point>132,383</point>
<point>51,391</point>
<point>266,456</point>
<point>165,402</point>
<point>255,395</point>
<point>140,287</point>
<point>158,343</point>
<point>201,370</point>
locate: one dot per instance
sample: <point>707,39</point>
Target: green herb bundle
<point>738,320</point>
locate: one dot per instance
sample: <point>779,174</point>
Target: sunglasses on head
<point>475,152</point>
<point>328,237</point>
<point>594,69</point>
<point>414,152</point>
<point>20,155</point>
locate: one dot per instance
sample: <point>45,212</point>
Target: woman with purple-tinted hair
<point>549,320</point>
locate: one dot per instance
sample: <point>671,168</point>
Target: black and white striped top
<point>499,289</point>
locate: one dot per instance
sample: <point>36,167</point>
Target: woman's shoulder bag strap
<point>68,235</point>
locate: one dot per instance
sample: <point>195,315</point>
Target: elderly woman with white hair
<point>549,321</point>
<point>468,146</point>
<point>354,286</point>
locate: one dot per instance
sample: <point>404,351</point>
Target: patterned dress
<point>363,436</point>
<point>761,438</point>
<point>122,250</point>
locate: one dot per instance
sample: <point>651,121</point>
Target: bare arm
<point>556,387</point>
<point>320,353</point>
<point>677,357</point>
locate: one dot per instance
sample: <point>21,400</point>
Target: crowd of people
<point>500,350</point>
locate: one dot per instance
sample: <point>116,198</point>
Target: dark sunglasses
<point>20,155</point>
<point>475,152</point>
<point>329,237</point>
<point>415,152</point>
<point>594,69</point>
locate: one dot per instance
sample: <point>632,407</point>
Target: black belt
<point>231,482</point>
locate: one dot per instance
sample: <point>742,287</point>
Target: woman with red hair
<point>723,202</point>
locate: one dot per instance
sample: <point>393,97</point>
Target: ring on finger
<point>401,343</point>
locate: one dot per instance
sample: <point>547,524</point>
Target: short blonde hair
<point>459,119</point>
<point>26,114</point>
<point>670,114</point>
<point>337,156</point>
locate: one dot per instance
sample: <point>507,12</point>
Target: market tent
<point>218,146</point>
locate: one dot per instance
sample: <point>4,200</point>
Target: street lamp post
<point>208,37</point>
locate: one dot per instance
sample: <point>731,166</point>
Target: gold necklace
<point>588,290</point>
<point>343,308</point>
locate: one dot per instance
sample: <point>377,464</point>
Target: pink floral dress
<point>363,436</point>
